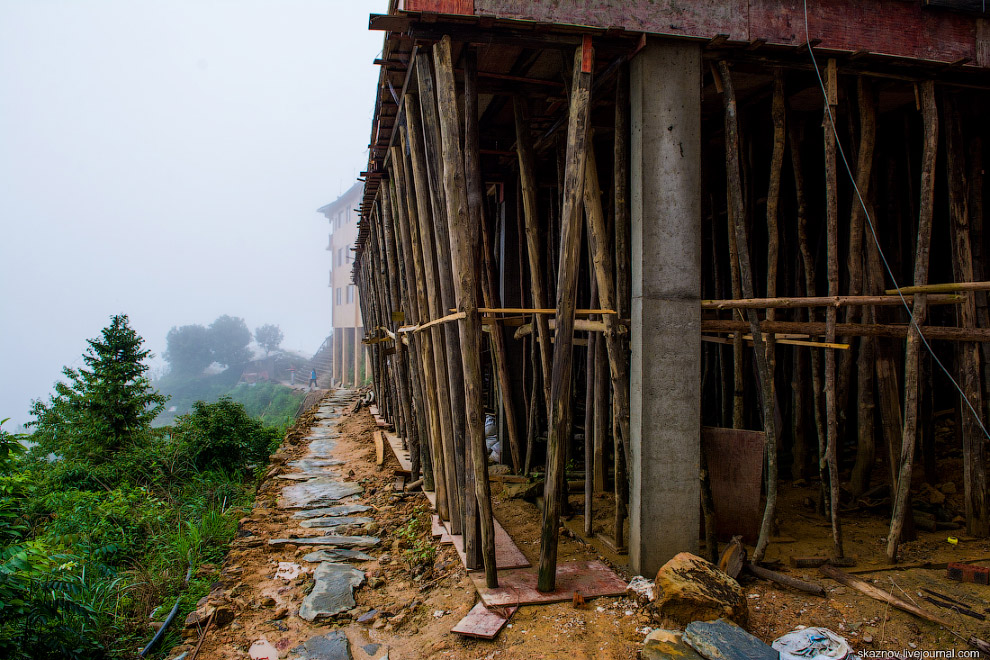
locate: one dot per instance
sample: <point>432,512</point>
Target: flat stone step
<point>724,640</point>
<point>339,510</point>
<point>332,539</point>
<point>332,646</point>
<point>335,521</point>
<point>337,555</point>
<point>317,492</point>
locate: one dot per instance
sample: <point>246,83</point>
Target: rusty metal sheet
<point>735,466</point>
<point>483,622</point>
<point>591,579</point>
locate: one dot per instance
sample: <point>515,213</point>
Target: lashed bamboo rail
<point>570,244</point>
<point>946,287</point>
<point>825,301</point>
<point>912,351</point>
<point>463,242</point>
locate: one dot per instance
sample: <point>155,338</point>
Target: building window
<point>338,295</point>
<point>350,293</point>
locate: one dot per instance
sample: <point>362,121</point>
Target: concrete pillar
<point>357,357</point>
<point>665,393</point>
<point>338,355</point>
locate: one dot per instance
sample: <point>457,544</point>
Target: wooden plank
<point>591,579</point>
<point>507,553</point>
<point>482,622</point>
<point>892,330</point>
<point>379,448</point>
<point>735,465</point>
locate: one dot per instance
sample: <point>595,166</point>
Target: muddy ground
<point>420,596</point>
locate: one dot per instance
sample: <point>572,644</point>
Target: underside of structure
<point>653,237</point>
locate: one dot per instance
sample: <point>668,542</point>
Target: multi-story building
<point>348,351</point>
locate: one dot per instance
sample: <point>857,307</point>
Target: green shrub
<point>223,436</point>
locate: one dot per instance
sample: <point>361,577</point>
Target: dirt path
<point>413,591</point>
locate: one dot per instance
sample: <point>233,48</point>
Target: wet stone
<point>331,539</point>
<point>337,554</point>
<point>333,646</point>
<point>335,521</point>
<point>724,640</point>
<point>333,591</point>
<point>317,492</point>
<point>371,649</point>
<point>339,510</point>
<point>313,464</point>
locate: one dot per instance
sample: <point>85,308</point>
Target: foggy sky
<point>166,160</point>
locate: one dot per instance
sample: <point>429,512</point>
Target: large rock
<point>337,555</point>
<point>317,492</point>
<point>724,640</point>
<point>688,588</point>
<point>339,510</point>
<point>333,591</point>
<point>333,646</point>
<point>667,645</point>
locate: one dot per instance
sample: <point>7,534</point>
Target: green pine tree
<point>105,407</point>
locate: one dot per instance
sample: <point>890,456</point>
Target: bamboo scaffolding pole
<point>531,214</point>
<point>778,115</point>
<point>735,202</point>
<point>463,243</point>
<point>789,342</point>
<point>947,287</point>
<point>570,245</point>
<point>831,315</point>
<point>912,351</point>
<point>602,263</point>
<point>968,353</point>
<point>826,301</point>
<point>432,120</point>
<point>594,473</point>
<point>420,216</point>
<point>580,325</point>
<point>623,274</point>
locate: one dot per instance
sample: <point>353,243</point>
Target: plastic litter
<point>813,644</point>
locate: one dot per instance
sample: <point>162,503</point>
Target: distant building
<point>349,354</point>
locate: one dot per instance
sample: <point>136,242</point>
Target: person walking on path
<point>312,378</point>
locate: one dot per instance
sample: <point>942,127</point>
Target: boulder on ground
<point>688,588</point>
<point>724,640</point>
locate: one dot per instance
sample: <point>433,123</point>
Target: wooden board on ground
<point>373,409</point>
<point>438,531</point>
<point>507,553</point>
<point>591,579</point>
<point>401,455</point>
<point>483,622</point>
<point>379,448</point>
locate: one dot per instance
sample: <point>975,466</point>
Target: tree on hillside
<point>104,407</point>
<point>188,349</point>
<point>229,338</point>
<point>269,337</point>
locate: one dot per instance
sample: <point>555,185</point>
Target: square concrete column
<point>338,356</point>
<point>665,392</point>
<point>357,357</point>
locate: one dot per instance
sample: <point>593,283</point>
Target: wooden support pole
<point>531,214</point>
<point>746,284</point>
<point>894,331</point>
<point>417,190</point>
<point>424,211</point>
<point>410,305</point>
<point>779,117</point>
<point>476,207</point>
<point>446,285</point>
<point>618,371</point>
<point>968,353</point>
<point>400,359</point>
<point>912,350</point>
<point>623,280</point>
<point>570,246</point>
<point>463,243</point>
<point>808,265</point>
<point>593,470</point>
<point>827,301</point>
<point>832,239</point>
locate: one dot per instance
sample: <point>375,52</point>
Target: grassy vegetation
<point>101,518</point>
